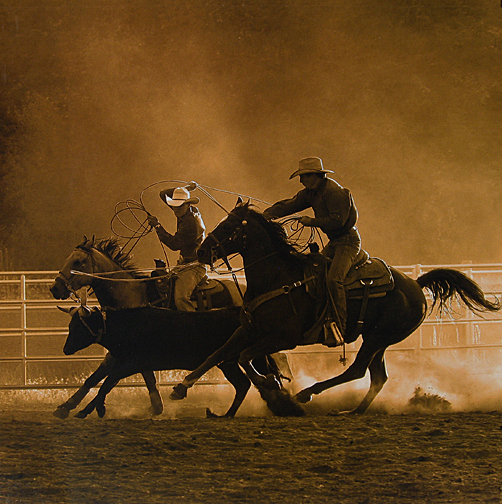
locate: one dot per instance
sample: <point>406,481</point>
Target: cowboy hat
<point>180,197</point>
<point>310,165</point>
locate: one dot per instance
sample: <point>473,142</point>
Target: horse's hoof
<point>101,411</point>
<point>179,392</point>
<point>157,407</point>
<point>155,411</point>
<point>80,414</point>
<point>280,403</point>
<point>303,396</point>
<point>61,412</point>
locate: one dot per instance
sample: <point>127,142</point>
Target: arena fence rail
<point>33,331</point>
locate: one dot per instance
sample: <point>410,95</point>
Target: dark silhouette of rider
<point>190,232</point>
<point>336,215</point>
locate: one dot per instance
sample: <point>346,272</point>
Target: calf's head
<point>85,328</point>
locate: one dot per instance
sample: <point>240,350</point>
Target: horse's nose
<point>55,291</point>
<point>58,290</point>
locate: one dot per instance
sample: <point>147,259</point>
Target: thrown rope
<point>294,229</point>
<point>108,275</point>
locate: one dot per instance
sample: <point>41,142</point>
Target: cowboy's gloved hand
<point>152,220</point>
<point>306,221</point>
<point>192,186</point>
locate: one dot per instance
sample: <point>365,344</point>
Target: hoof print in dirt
<point>280,403</point>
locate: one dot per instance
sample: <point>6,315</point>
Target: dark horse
<point>273,266</point>
<point>112,274</point>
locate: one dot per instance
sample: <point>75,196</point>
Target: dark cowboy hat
<point>310,165</point>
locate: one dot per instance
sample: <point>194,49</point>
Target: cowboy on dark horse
<point>336,215</point>
<point>190,233</point>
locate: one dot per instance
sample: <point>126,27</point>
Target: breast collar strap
<point>249,308</point>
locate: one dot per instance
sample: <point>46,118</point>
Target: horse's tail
<point>446,284</point>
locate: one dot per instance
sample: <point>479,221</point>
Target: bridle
<point>238,232</point>
<point>68,279</point>
<point>249,307</point>
<point>220,244</point>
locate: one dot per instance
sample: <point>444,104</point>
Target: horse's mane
<point>113,249</point>
<point>277,234</point>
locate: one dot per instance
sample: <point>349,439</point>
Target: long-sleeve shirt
<point>190,233</point>
<point>333,205</point>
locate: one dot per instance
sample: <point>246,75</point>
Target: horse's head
<point>228,237</point>
<point>67,281</point>
<point>90,257</point>
<point>86,327</point>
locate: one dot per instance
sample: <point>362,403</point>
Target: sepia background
<point>101,99</point>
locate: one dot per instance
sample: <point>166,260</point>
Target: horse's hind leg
<point>63,410</point>
<point>157,406</point>
<point>378,374</point>
<point>355,371</point>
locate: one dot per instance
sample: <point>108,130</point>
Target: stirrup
<point>332,335</point>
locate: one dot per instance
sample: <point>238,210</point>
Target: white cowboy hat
<point>310,165</point>
<point>180,196</point>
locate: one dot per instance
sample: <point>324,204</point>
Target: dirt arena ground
<point>417,456</point>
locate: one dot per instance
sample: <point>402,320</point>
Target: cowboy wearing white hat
<point>336,215</point>
<point>190,232</point>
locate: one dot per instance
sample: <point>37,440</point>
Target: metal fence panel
<point>33,331</point>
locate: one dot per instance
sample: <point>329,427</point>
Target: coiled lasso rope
<point>294,229</point>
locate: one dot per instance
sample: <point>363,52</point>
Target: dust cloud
<point>468,382</point>
<point>102,99</point>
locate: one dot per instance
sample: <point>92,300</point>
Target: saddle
<point>206,296</point>
<point>369,277</point>
<point>366,272</point>
<point>205,291</point>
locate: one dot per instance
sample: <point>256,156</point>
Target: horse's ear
<point>240,201</point>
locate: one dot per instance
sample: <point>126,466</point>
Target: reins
<point>249,308</point>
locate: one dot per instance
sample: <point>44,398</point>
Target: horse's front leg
<point>259,380</point>
<point>231,349</point>
<point>278,399</point>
